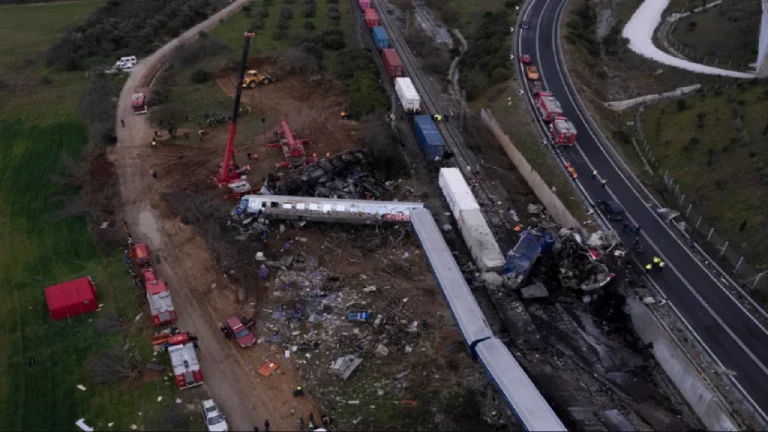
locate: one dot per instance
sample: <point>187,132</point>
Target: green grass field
<point>719,164</point>
<point>37,125</point>
<point>30,29</point>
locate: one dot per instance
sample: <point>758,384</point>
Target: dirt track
<point>199,290</point>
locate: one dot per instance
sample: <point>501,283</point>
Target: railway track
<point>487,195</point>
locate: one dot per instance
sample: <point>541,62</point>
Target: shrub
<point>681,105</point>
<point>256,25</point>
<point>310,2</point>
<point>309,25</point>
<point>310,11</point>
<point>283,24</point>
<point>264,13</point>
<point>200,76</point>
<point>289,2</point>
<point>280,35</point>
<point>332,1</point>
<point>313,50</point>
<point>269,2</point>
<point>286,12</point>
<point>333,39</point>
<point>693,141</point>
<point>247,10</point>
<point>333,13</point>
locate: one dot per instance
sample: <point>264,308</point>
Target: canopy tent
<point>71,298</point>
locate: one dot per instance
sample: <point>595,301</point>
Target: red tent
<point>71,298</point>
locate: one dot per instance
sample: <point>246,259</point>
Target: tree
<point>200,76</point>
<point>313,50</point>
<point>286,12</point>
<point>112,365</point>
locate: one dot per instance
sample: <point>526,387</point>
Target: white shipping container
<point>456,191</point>
<point>406,92</point>
<point>480,241</point>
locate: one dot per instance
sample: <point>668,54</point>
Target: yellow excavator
<point>253,78</point>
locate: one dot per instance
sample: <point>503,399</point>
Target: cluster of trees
<point>123,27</point>
<point>582,29</point>
<point>486,62</point>
<point>358,72</point>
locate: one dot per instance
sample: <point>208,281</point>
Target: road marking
<point>621,173</point>
<point>555,31</point>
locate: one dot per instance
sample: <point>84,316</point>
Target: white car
<point>214,419</point>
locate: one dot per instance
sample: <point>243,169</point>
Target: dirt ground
<point>428,365</point>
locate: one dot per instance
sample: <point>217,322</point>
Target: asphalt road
<point>733,336</point>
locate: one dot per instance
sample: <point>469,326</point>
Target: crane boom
<point>228,171</point>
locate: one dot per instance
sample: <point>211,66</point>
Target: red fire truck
<point>562,131</point>
<point>548,106</point>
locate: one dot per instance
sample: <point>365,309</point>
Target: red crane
<point>293,148</point>
<point>230,172</point>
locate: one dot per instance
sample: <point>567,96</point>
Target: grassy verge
<point>44,361</point>
<point>713,145</point>
<point>513,116</point>
<point>726,33</point>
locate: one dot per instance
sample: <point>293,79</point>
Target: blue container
<point>428,137</point>
<point>380,38</point>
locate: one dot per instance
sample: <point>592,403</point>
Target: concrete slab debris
<point>382,351</point>
<point>536,290</point>
<point>343,367</point>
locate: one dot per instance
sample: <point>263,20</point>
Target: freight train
<point>424,128</point>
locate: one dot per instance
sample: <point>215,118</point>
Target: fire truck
<point>182,348</point>
<point>562,131</point>
<point>160,303</point>
<point>139,103</point>
<point>548,106</point>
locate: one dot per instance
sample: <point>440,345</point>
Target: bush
<point>269,2</point>
<point>286,12</point>
<point>295,61</point>
<point>334,42</point>
<point>310,11</point>
<point>256,25</point>
<point>313,50</point>
<point>247,10</point>
<point>333,13</point>
<point>289,2</point>
<point>280,35</point>
<point>200,76</point>
<point>309,25</point>
<point>380,143</point>
<point>681,105</point>
<point>332,2</point>
<point>310,2</point>
<point>283,24</point>
<point>264,13</point>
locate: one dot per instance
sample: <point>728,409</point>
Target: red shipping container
<point>371,18</point>
<point>364,4</point>
<point>392,63</point>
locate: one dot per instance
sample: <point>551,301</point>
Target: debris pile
<point>345,175</point>
<point>580,262</point>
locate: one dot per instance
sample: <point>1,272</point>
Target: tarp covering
<point>71,298</point>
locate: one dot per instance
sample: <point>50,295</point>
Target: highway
<point>731,334</point>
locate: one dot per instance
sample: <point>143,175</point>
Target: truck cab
<point>139,103</point>
<point>241,331</point>
<point>141,255</point>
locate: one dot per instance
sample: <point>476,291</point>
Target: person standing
<point>266,425</point>
<point>122,122</point>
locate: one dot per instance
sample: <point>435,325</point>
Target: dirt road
<point>246,398</point>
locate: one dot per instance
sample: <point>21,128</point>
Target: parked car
<point>525,59</point>
<point>525,25</point>
<point>240,329</point>
<point>611,209</point>
<point>215,421</point>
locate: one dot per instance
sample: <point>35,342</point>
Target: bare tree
<point>112,365</point>
<point>109,323</point>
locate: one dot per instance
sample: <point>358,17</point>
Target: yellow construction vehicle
<point>254,78</point>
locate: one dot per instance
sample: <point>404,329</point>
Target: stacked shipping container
<point>371,18</point>
<point>392,63</point>
<point>380,38</point>
<point>428,137</point>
